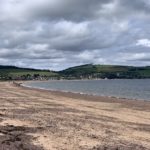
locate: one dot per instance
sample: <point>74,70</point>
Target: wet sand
<point>32,119</point>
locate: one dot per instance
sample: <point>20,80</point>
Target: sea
<point>138,89</point>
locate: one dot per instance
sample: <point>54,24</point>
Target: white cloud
<point>143,42</point>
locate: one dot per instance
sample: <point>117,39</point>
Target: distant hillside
<point>88,71</point>
<point>16,73</point>
<point>106,71</point>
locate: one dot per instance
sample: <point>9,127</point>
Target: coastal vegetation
<point>88,71</point>
<point>16,73</point>
<point>91,71</point>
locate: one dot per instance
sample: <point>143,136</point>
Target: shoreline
<point>79,94</point>
<point>93,98</point>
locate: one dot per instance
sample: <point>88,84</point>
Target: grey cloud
<point>75,10</point>
<point>136,5</point>
<point>58,34</point>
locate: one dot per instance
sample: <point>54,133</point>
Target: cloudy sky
<point>56,34</point>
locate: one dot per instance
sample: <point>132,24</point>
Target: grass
<point>84,71</point>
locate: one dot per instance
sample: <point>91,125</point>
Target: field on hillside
<point>7,73</point>
<point>88,71</point>
<point>106,71</point>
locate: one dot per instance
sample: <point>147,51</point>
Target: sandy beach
<point>33,119</point>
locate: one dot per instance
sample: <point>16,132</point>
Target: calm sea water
<point>132,89</point>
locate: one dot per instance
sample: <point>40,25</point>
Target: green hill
<point>87,71</point>
<point>106,71</point>
<point>16,73</point>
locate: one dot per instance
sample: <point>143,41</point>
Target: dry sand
<point>33,119</point>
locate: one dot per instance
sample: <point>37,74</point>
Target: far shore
<point>38,119</point>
